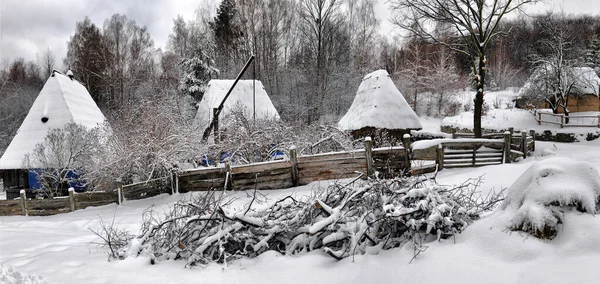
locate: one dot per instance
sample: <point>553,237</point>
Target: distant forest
<point>310,65</point>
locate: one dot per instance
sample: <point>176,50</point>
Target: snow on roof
<point>242,95</point>
<point>61,101</point>
<point>378,103</point>
<point>586,80</point>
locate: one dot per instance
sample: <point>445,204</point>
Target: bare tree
<point>557,76</point>
<point>474,22</point>
<point>47,63</point>
<point>60,160</point>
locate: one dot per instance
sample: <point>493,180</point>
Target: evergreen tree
<point>592,55</point>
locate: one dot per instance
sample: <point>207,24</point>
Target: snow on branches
<point>340,220</point>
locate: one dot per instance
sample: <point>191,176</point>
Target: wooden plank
<point>307,180</point>
<point>275,172</point>
<point>259,179</point>
<point>46,207</point>
<point>10,208</point>
<point>389,151</point>
<point>334,164</point>
<point>330,172</point>
<point>202,171</point>
<point>334,156</point>
<point>265,185</point>
<point>423,169</point>
<point>252,168</point>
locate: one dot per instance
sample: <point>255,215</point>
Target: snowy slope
<point>242,95</point>
<point>378,103</point>
<point>61,101</point>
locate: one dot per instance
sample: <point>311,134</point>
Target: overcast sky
<point>28,27</point>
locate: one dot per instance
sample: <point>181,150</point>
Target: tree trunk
<point>480,82</point>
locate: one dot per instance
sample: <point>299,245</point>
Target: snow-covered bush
<point>547,190</point>
<point>248,141</point>
<point>63,159</point>
<point>341,220</point>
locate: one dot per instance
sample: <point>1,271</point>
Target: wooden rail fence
<point>298,170</point>
<point>574,120</point>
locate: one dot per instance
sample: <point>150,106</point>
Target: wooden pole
<point>507,136</point>
<point>369,155</point>
<point>294,161</point>
<point>72,198</point>
<point>119,193</point>
<point>562,120</point>
<point>524,143</point>
<point>539,117</point>
<point>453,133</point>
<point>23,202</point>
<point>440,157</point>
<point>532,134</point>
<point>229,184</point>
<point>474,156</point>
<point>216,124</point>
<point>407,150</point>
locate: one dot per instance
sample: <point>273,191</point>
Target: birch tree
<point>474,23</point>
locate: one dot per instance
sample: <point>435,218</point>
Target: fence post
<point>539,117</point>
<point>474,155</point>
<point>524,143</point>
<point>532,133</point>
<point>120,195</point>
<point>407,149</point>
<point>369,155</point>
<point>440,157</point>
<point>23,202</point>
<point>598,121</point>
<point>453,133</point>
<point>507,137</point>
<point>229,184</point>
<point>216,126</point>
<point>177,182</point>
<point>294,161</point>
<point>562,120</point>
<point>72,198</point>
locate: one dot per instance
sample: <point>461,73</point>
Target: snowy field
<point>58,249</point>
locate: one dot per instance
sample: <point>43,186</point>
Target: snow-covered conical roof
<point>61,101</point>
<point>241,95</point>
<point>379,104</point>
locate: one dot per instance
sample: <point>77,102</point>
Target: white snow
<point>490,253</point>
<point>242,95</point>
<point>58,248</point>
<point>62,101</point>
<point>378,103</point>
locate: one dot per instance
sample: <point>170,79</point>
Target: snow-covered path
<point>58,247</point>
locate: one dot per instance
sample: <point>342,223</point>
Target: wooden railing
<point>299,170</point>
<point>574,120</point>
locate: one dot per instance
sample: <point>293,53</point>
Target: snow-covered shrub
<point>248,141</point>
<point>63,159</point>
<point>341,220</point>
<point>547,190</point>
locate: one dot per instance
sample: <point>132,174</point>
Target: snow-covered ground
<point>58,248</point>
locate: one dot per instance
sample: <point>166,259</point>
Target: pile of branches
<point>341,220</point>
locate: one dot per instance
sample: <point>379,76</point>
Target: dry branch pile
<point>341,220</point>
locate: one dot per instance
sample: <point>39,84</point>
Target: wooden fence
<point>298,170</point>
<point>57,205</point>
<point>574,120</point>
